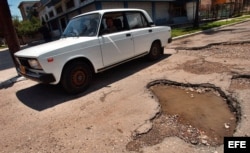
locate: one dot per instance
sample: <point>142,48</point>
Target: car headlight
<point>34,64</point>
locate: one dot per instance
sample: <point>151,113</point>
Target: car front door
<point>116,46</point>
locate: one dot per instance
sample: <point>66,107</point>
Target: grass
<point>2,47</point>
<point>183,31</point>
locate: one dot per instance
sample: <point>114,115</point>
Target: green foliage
<point>32,13</point>
<point>2,46</point>
<point>16,23</point>
<point>28,27</point>
<point>183,31</point>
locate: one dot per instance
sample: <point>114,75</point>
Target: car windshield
<point>86,25</point>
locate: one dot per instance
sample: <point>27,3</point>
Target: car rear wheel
<point>155,51</point>
<point>76,77</point>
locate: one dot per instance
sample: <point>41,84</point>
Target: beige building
<point>26,7</point>
<point>57,13</point>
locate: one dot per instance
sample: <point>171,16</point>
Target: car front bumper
<point>38,77</point>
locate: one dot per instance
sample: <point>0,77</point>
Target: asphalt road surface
<point>42,118</point>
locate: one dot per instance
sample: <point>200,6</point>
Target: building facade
<point>27,7</point>
<point>57,13</point>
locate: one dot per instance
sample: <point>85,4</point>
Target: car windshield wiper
<point>71,34</point>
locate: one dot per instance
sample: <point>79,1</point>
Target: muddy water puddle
<point>206,111</point>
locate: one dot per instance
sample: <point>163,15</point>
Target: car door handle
<point>150,30</point>
<point>128,35</point>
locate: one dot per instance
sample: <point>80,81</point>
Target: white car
<point>87,47</point>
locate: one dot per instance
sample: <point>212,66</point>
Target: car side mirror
<point>151,24</point>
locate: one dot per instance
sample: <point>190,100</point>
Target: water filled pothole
<point>200,114</point>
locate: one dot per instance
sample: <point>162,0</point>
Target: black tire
<point>155,52</point>
<point>76,77</point>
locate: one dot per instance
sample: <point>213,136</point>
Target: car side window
<point>111,23</point>
<point>136,20</point>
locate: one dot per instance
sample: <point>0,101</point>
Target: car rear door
<point>141,32</point>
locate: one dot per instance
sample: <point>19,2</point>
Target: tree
<point>32,13</point>
<point>1,35</point>
<point>196,19</point>
<point>1,31</point>
<point>28,27</point>
<point>9,31</point>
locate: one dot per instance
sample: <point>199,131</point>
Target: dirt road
<point>42,118</point>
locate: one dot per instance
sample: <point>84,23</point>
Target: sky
<point>13,4</point>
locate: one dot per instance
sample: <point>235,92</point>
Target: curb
<point>212,44</point>
<point>208,30</point>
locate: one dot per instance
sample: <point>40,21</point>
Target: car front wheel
<point>76,77</point>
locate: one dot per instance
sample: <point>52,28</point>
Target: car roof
<point>110,10</point>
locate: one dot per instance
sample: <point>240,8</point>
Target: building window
<point>70,4</point>
<point>54,25</point>
<point>63,23</point>
<point>51,14</point>
<point>59,9</point>
<point>178,10</point>
<point>28,8</point>
<point>136,20</point>
<point>46,17</point>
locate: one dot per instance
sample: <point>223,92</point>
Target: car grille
<point>24,62</point>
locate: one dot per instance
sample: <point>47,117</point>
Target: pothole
<point>200,114</point>
<point>225,53</point>
<point>240,82</point>
<point>201,66</point>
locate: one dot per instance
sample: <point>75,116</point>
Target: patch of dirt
<point>197,114</point>
<point>201,66</point>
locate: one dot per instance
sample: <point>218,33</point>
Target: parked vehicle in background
<point>88,46</point>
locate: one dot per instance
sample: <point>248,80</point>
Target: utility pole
<point>9,31</point>
<point>196,18</point>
